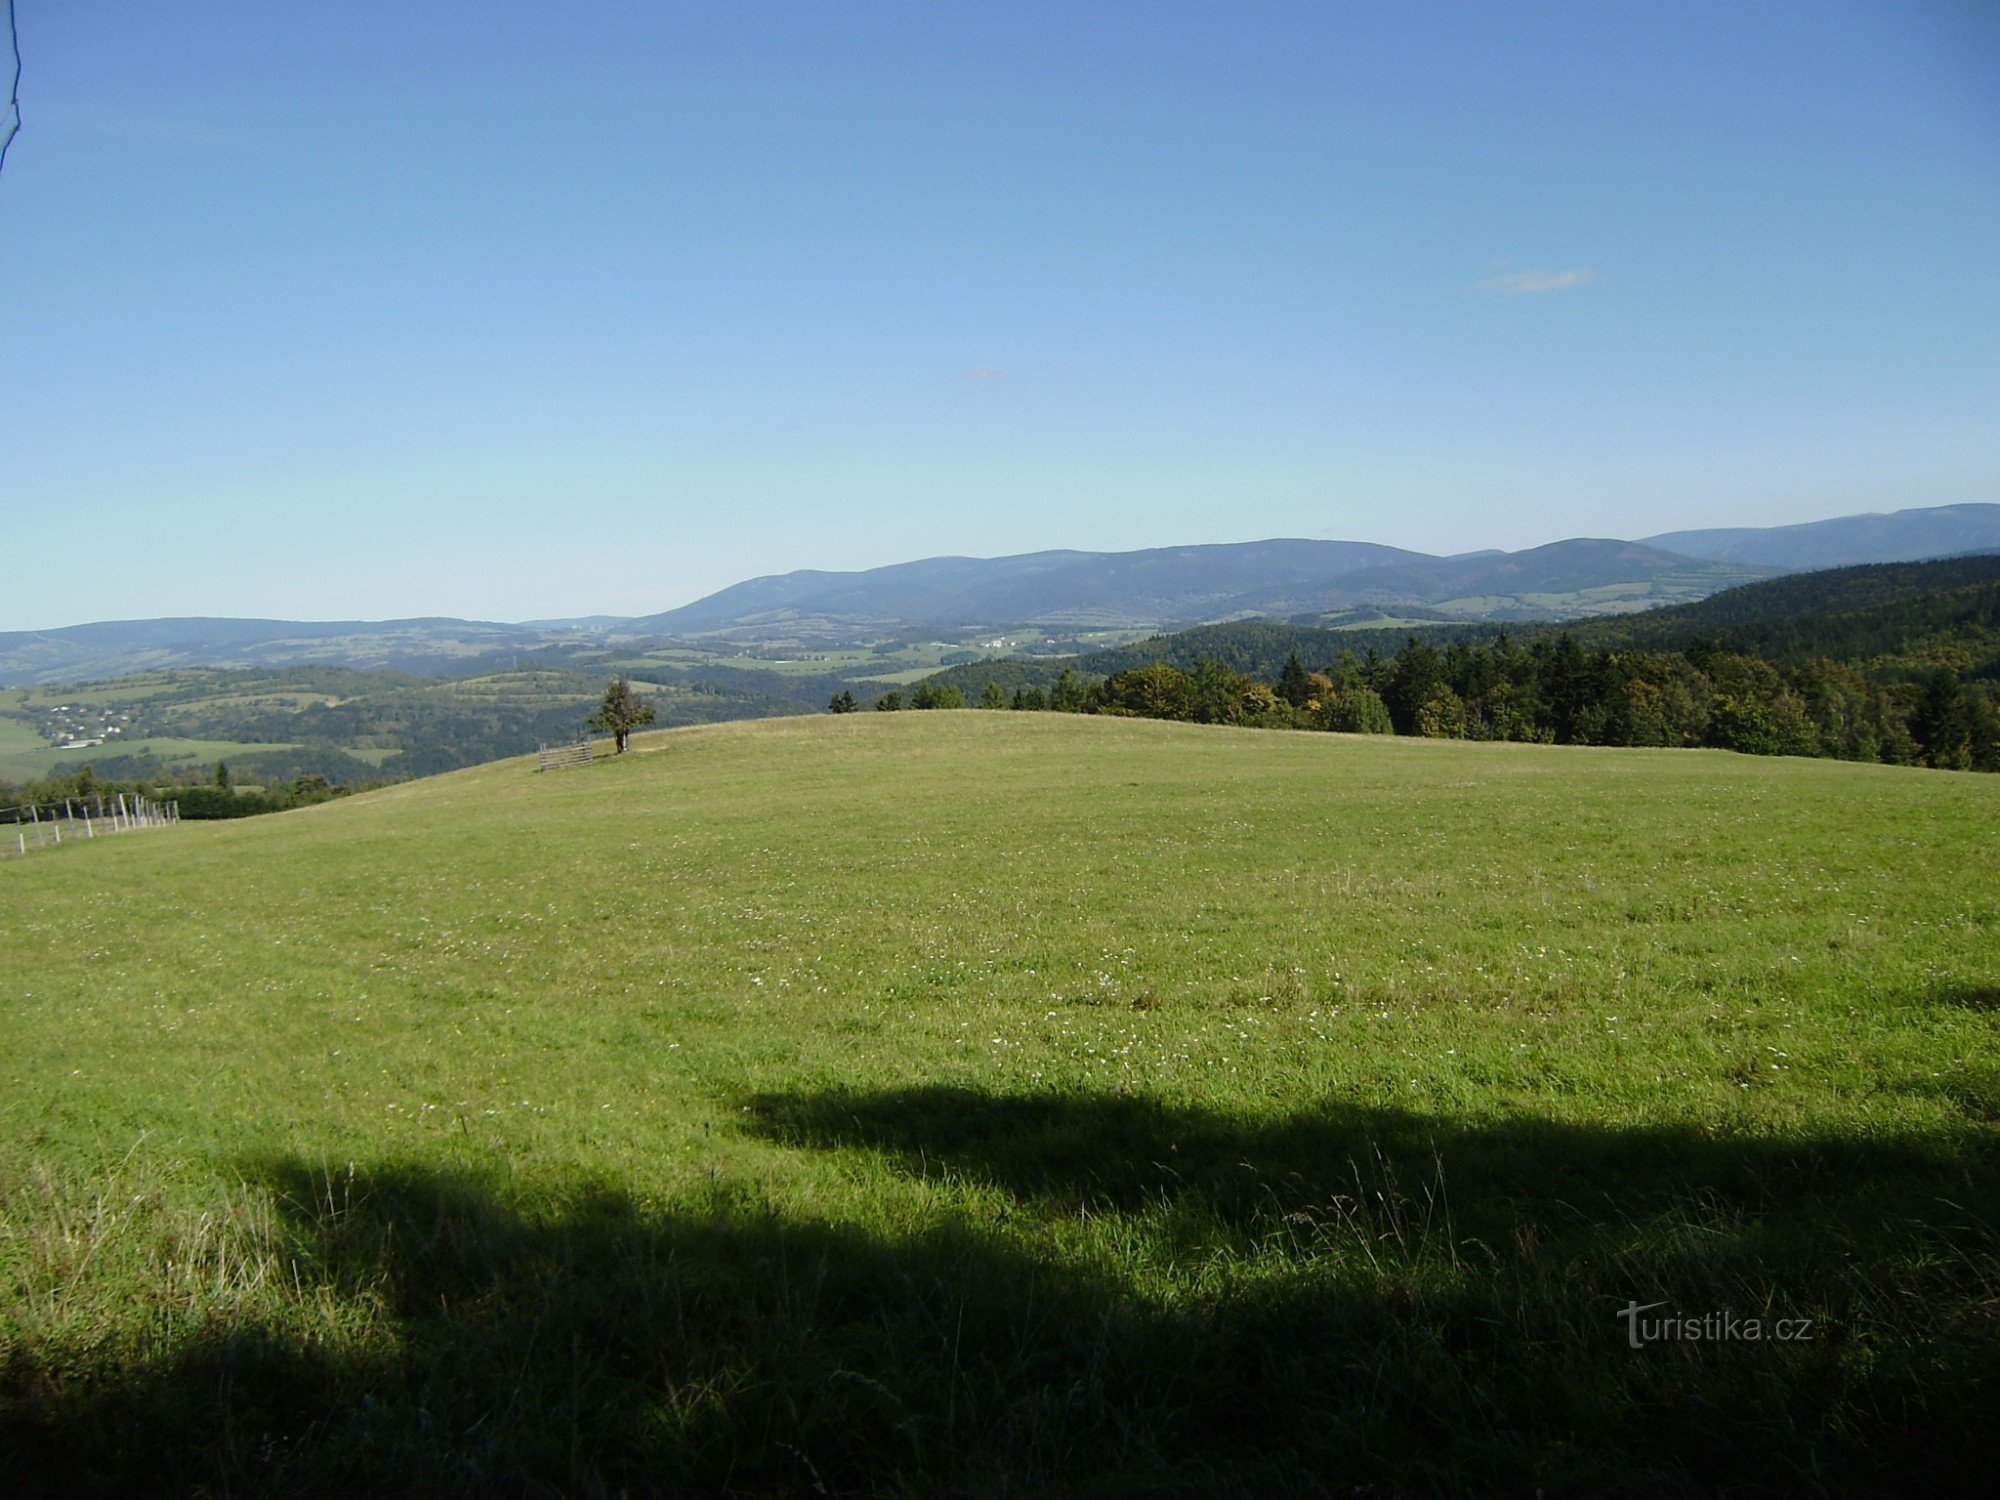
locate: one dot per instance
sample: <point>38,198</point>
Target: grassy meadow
<point>1007,1102</point>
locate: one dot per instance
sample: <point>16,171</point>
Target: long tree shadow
<point>1164,1300</point>
<point>1068,1154</point>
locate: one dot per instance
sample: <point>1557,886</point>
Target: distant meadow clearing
<point>989,1102</point>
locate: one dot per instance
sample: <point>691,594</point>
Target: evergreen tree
<point>1215,695</point>
<point>841,702</point>
<point>1939,724</point>
<point>1984,726</point>
<point>1415,677</point>
<point>1293,684</point>
<point>1566,689</point>
<point>1068,695</point>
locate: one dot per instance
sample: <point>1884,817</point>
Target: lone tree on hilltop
<point>622,711</point>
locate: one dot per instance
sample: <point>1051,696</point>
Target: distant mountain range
<point>1902,536</point>
<point>1189,585</point>
<point>1302,581</point>
<point>1897,622</point>
<point>1160,584</point>
<point>114,648</point>
<point>1297,579</point>
<point>1293,579</point>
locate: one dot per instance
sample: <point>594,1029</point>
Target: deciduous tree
<point>621,712</point>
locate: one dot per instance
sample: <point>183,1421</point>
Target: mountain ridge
<point>1846,541</point>
<point>1306,580</point>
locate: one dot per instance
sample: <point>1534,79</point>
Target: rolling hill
<point>1893,618</point>
<point>973,1103</point>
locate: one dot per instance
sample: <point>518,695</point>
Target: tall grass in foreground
<point>1014,1103</point>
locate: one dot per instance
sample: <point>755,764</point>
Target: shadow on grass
<point>1128,1298</point>
<point>1981,997</point>
<point>1101,1152</point>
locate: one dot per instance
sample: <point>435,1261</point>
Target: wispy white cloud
<point>1522,283</point>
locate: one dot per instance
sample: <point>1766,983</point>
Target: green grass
<point>1013,1102</point>
<point>22,748</point>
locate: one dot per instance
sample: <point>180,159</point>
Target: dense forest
<point>1258,648</point>
<point>1551,690</point>
<point>1898,663</point>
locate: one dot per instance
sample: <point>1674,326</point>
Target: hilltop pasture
<point>994,1102</point>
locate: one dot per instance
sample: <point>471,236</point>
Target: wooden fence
<point>44,825</point>
<point>556,757</point>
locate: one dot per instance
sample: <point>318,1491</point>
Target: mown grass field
<point>1014,1103</point>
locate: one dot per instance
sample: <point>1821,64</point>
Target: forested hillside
<point>349,727</point>
<point>1258,648</point>
<point>1893,620</point>
<point>1897,663</point>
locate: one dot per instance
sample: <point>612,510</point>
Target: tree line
<point>1553,690</point>
<point>198,795</point>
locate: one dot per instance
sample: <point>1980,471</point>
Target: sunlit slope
<point>735,903</point>
<point>1131,1005</point>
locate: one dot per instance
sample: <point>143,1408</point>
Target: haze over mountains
<point>1191,585</point>
<point>1901,536</point>
<point>1308,581</point>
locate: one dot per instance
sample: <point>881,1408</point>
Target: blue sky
<point>513,311</point>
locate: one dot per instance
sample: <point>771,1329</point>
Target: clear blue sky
<point>358,310</point>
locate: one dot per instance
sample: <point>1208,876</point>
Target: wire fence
<point>29,826</point>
